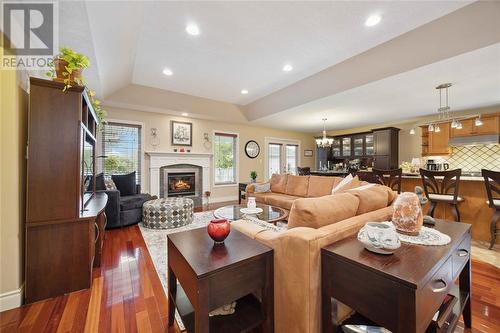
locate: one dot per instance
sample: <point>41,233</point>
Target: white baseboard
<point>11,299</point>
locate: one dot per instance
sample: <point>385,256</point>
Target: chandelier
<point>324,142</point>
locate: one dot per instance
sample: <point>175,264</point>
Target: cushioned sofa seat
<point>287,188</point>
<point>297,288</point>
<point>133,201</point>
<point>280,200</point>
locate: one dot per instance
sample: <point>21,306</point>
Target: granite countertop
<point>469,178</point>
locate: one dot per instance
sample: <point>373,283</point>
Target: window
<point>225,145</point>
<point>121,146</point>
<point>282,157</point>
<point>274,158</point>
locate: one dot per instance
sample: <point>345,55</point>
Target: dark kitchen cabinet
<point>386,141</point>
<point>346,146</point>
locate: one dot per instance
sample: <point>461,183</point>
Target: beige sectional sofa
<point>313,224</point>
<point>285,189</point>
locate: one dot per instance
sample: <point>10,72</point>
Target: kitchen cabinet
<point>369,145</point>
<point>358,145</point>
<point>336,149</point>
<point>346,147</point>
<point>491,125</point>
<point>437,142</point>
<point>386,141</point>
<point>469,128</point>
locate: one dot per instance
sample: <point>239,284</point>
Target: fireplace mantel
<point>160,159</point>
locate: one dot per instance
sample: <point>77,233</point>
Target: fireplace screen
<point>181,184</point>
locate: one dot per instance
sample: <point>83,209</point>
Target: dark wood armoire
<point>64,215</point>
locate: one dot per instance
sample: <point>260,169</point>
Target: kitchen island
<point>473,210</point>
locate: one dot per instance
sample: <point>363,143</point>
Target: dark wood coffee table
<point>402,291</point>
<point>210,276</point>
<point>271,214</point>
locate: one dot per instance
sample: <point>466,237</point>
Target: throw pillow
<point>262,188</point>
<point>278,183</point>
<point>99,183</point>
<point>319,212</point>
<point>125,183</point>
<point>110,184</point>
<point>347,183</point>
<point>372,198</point>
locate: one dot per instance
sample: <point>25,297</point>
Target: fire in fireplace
<point>180,184</point>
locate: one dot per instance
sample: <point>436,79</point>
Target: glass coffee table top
<point>270,214</point>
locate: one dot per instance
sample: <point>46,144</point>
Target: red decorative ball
<point>219,229</point>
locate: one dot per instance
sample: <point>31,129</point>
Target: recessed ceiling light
<point>244,91</point>
<point>184,114</point>
<point>287,68</point>
<point>167,71</point>
<point>192,29</point>
<point>373,20</point>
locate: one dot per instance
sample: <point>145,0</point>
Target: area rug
<point>156,242</point>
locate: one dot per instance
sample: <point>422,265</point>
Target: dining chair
<point>492,184</point>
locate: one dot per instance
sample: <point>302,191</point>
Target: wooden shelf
<point>358,319</point>
<point>247,317</point>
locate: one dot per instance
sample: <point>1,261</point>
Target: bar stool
<point>492,184</point>
<point>443,190</point>
<point>390,178</point>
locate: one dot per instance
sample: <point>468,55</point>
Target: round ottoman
<point>167,213</point>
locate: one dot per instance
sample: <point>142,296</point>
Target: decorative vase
<point>253,180</point>
<point>251,203</point>
<point>407,216</point>
<point>218,230</point>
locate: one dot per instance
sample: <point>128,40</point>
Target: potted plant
<point>68,67</point>
<point>253,176</point>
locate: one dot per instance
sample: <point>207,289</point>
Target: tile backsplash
<point>474,158</point>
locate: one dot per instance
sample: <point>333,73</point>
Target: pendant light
<point>324,142</point>
<point>478,122</point>
<point>412,131</point>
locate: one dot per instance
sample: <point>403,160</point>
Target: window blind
<point>121,146</point>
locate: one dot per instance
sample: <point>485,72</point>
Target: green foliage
<point>224,155</point>
<point>96,105</point>
<point>75,62</point>
<point>118,164</point>
<point>253,174</point>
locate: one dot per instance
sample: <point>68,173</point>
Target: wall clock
<point>252,149</point>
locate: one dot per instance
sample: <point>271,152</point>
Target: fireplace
<point>181,184</point>
<point>184,180</point>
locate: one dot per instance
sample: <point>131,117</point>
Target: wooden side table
<point>402,291</point>
<point>242,187</point>
<point>210,276</point>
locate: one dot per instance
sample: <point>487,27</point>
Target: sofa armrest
<point>251,187</point>
<point>113,209</point>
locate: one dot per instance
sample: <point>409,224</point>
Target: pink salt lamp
<point>407,216</point>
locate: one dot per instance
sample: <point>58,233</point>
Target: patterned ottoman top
<point>168,202</point>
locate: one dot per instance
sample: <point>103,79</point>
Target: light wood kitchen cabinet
<point>466,130</point>
<point>436,142</point>
<point>490,126</point>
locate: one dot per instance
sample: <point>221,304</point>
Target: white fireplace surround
<point>161,159</point>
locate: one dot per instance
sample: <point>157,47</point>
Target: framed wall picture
<point>181,133</point>
<point>308,153</point>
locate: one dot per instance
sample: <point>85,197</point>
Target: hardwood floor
<point>127,296</point>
